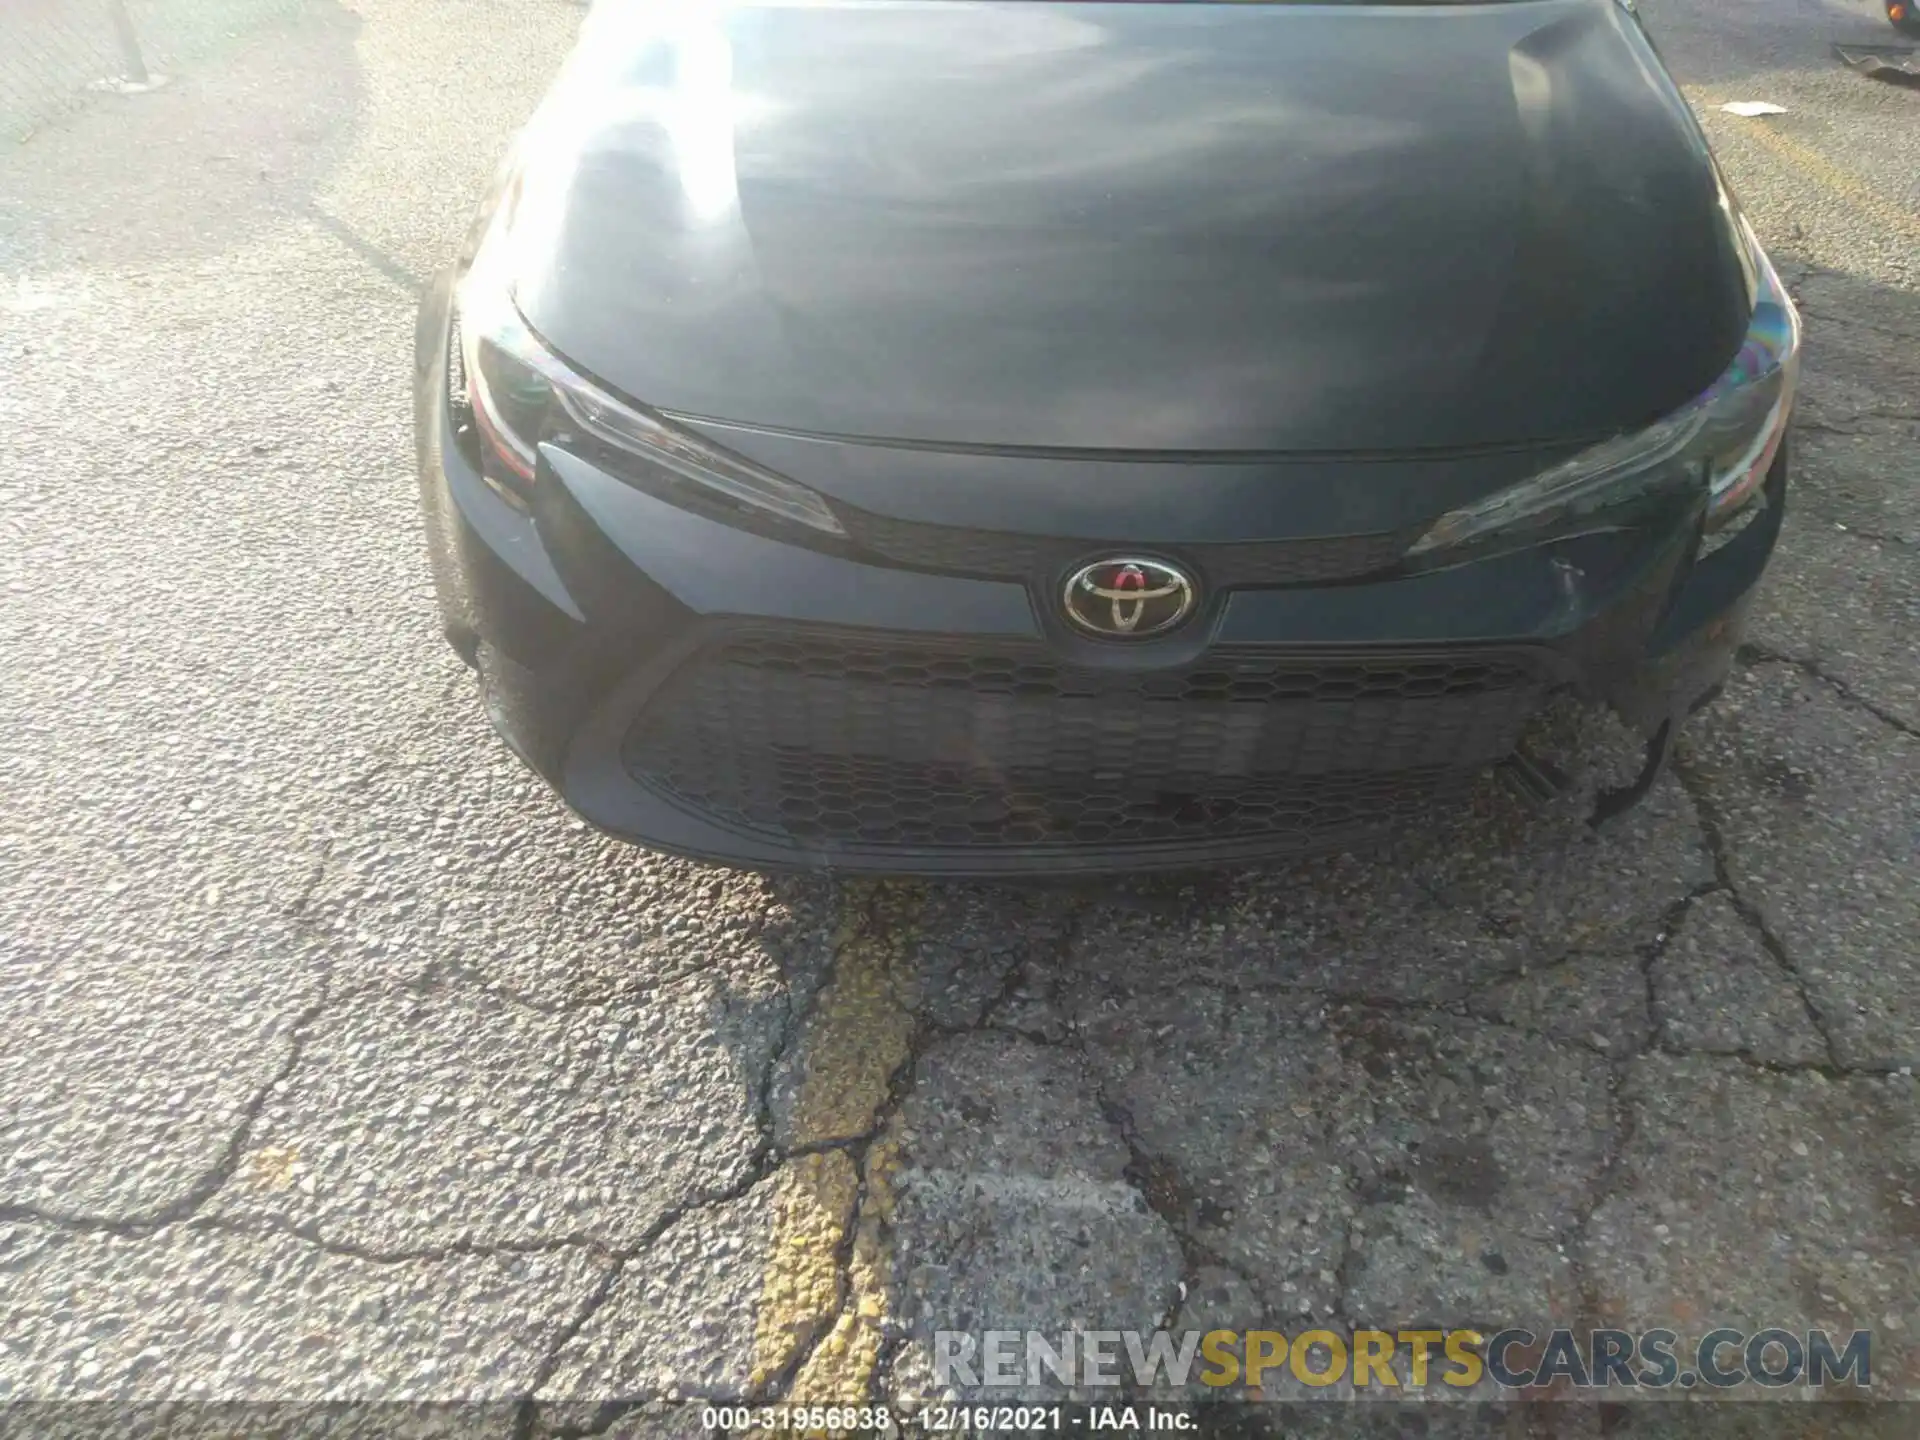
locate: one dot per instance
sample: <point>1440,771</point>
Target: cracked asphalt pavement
<point>342,1063</point>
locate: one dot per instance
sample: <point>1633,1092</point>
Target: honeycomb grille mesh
<point>1223,566</point>
<point>835,741</point>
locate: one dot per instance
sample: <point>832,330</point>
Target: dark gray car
<point>1001,437</point>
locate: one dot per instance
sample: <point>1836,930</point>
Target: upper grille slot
<point>1224,566</point>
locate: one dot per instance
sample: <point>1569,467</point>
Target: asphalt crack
<point>1753,655</point>
<point>1165,1193</point>
<point>1718,848</point>
<point>310,1234</point>
<point>1163,1190</point>
<point>527,1409</point>
<point>1605,1181</point>
<point>216,1176</point>
<point>1452,1009</point>
<point>846,1287</point>
<point>1603,1185</point>
<point>606,1411</point>
<point>883,927</point>
<point>1654,950</point>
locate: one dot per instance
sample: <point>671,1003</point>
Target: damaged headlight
<point>1724,442</point>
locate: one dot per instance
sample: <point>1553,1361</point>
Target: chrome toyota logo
<point>1128,599</point>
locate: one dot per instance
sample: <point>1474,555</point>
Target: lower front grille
<point>853,741</point>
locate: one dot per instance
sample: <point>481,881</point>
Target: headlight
<point>1720,446</point>
<point>521,394</point>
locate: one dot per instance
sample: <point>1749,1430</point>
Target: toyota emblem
<point>1128,599</point>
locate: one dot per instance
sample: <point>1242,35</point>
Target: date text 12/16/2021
<point>943,1419</point>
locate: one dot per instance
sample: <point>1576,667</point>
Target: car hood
<point>1165,228</point>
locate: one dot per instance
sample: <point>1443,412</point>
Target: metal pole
<point>129,42</point>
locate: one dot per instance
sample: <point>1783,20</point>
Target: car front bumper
<point>707,690</point>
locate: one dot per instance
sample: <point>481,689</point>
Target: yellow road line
<point>858,1033</point>
<point>1799,155</point>
<point>840,1370</point>
<point>800,1292</point>
<point>857,1037</point>
<point>1812,163</point>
